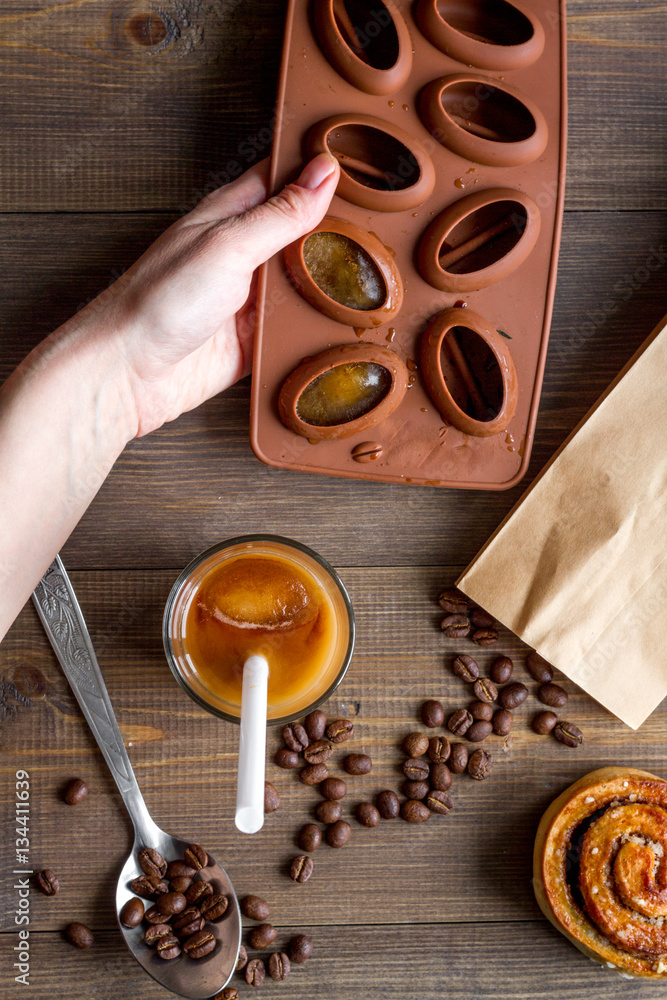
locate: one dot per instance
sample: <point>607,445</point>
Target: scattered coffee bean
<point>255,973</point>
<point>295,737</point>
<point>358,763</point>
<point>313,774</point>
<point>460,722</point>
<point>553,695</point>
<point>315,724</point>
<point>485,690</point>
<point>501,670</point>
<point>170,903</point>
<point>279,966</point>
<point>544,722</point>
<point>453,601</point>
<point>416,769</point>
<point>414,811</point>
<point>484,636</point>
<point>168,947</point>
<point>148,887</point>
<point>339,730</point>
<point>48,884</point>
<point>152,863</point>
<point>439,802</point>
<point>415,789</point>
<point>479,731</point>
<point>458,758</point>
<point>132,913</point>
<point>262,936</point>
<point>539,668</point>
<point>338,834</point>
<point>481,618</point>
<point>179,869</point>
<point>481,711</point>
<point>76,792</point>
<point>329,811</point>
<point>367,814</point>
<point>388,804</point>
<point>415,744</point>
<point>318,752</point>
<point>502,722</point>
<point>513,695</point>
<point>180,884</point>
<point>480,765</point>
<point>79,935</point>
<point>242,960</point>
<point>309,838</point>
<point>154,932</point>
<point>254,907</point>
<point>441,777</point>
<point>301,868</point>
<point>432,713</point>
<point>188,923</point>
<point>568,734</point>
<point>439,749</point>
<point>153,916</point>
<point>333,788</point>
<point>198,891</point>
<point>287,759</point>
<point>465,667</point>
<point>455,626</point>
<point>300,948</point>
<point>195,856</point>
<point>271,798</point>
<point>214,906</point>
<point>229,993</point>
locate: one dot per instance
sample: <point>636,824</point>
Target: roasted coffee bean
<point>262,936</point>
<point>171,902</point>
<point>287,759</point>
<point>465,667</point>
<point>439,749</point>
<point>414,811</point>
<point>439,802</point>
<point>254,907</point>
<point>501,670</point>
<point>271,798</point>
<point>279,966</point>
<point>195,857</point>
<point>79,935</point>
<point>453,601</point>
<point>148,888</point>
<point>568,733</point>
<point>339,730</point>
<point>416,769</point>
<point>242,960</point>
<point>338,834</point>
<point>300,948</point>
<point>132,913</point>
<point>152,863</point>
<point>179,869</point>
<point>333,788</point>
<point>460,722</point>
<point>441,777</point>
<point>553,695</point>
<point>200,944</point>
<point>485,690</point>
<point>480,765</point>
<point>154,932</point>
<point>388,804</point>
<point>188,923</point>
<point>502,722</point>
<point>295,737</point>
<point>313,774</point>
<point>481,711</point>
<point>415,789</point>
<point>455,626</point>
<point>329,811</point>
<point>484,636</point>
<point>48,884</point>
<point>481,618</point>
<point>229,993</point>
<point>513,695</point>
<point>357,763</point>
<point>180,884</point>
<point>479,731</point>
<point>153,916</point>
<point>168,947</point>
<point>458,758</point>
<point>318,752</point>
<point>301,868</point>
<point>212,907</point>
<point>76,791</point>
<point>198,891</point>
<point>544,722</point>
<point>432,713</point>
<point>315,724</point>
<point>309,838</point>
<point>367,814</point>
<point>539,668</point>
<point>255,973</point>
<point>415,744</point>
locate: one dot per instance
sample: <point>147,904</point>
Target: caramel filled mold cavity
<point>346,273</point>
<point>383,168</point>
<point>469,373</point>
<point>342,391</point>
<point>478,240</point>
<point>489,34</point>
<point>483,120</point>
<point>366,41</point>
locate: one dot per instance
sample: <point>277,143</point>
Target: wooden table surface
<point>115,117</point>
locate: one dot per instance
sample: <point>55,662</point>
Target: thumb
<point>296,210</point>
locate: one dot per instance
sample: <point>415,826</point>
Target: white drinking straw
<point>252,746</point>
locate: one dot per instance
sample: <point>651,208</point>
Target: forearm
<point>65,416</point>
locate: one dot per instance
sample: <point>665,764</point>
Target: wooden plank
<point>196,481</point>
<point>144,106</point>
<point>473,865</point>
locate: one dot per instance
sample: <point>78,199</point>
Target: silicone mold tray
<point>448,118</point>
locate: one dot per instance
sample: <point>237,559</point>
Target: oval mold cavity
<point>472,374</point>
<point>491,34</point>
<point>343,393</point>
<point>344,271</point>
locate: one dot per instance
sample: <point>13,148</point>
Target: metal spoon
<point>66,629</point>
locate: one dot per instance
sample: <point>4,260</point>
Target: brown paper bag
<point>578,569</point>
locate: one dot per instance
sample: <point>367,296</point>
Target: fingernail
<point>317,171</point>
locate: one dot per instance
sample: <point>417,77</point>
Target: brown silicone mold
<point>406,342</point>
